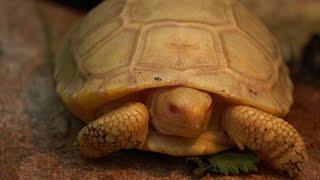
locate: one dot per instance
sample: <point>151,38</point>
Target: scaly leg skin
<point>124,128</point>
<point>267,135</point>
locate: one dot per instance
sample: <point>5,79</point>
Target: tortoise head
<point>180,111</point>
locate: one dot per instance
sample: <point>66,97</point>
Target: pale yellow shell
<point>217,46</point>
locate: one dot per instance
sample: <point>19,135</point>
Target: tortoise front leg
<point>124,128</point>
<point>269,136</point>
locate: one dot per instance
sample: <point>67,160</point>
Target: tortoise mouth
<point>208,142</point>
<point>179,130</point>
<point>211,132</point>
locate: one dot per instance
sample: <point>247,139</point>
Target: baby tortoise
<point>179,77</point>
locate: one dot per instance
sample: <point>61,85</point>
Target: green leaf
<point>228,163</point>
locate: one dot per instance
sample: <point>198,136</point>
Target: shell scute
<point>245,58</point>
<point>200,11</point>
<point>180,48</point>
<point>105,59</point>
<point>250,24</point>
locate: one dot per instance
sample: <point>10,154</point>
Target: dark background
<point>84,5</point>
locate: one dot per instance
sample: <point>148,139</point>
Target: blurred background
<point>37,131</point>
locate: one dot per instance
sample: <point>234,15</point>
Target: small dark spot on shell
<point>223,90</point>
<point>157,78</point>
<point>252,91</point>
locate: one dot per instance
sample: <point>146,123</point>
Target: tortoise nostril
<point>173,109</point>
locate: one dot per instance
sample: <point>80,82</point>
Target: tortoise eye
<point>173,109</point>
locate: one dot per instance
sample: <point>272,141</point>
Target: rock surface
<point>36,130</point>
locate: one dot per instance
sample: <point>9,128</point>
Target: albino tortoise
<point>179,77</point>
